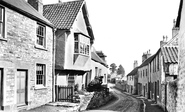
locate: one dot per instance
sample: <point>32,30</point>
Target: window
<point>40,74</point>
<point>41,35</point>
<point>96,71</point>
<point>81,45</point>
<point>2,22</point>
<point>99,72</point>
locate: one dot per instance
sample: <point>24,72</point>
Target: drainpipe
<point>53,66</point>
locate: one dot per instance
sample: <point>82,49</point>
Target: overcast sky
<point>124,29</point>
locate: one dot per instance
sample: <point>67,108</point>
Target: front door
<point>21,87</point>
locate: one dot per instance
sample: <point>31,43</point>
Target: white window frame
<point>83,48</point>
<point>2,22</point>
<point>41,35</point>
<point>43,84</point>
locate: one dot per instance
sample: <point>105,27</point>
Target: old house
<point>26,40</point>
<point>143,75</point>
<point>98,66</point>
<point>132,80</point>
<point>163,70</point>
<point>74,37</point>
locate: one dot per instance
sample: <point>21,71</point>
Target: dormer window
<point>41,35</point>
<point>2,27</point>
<point>81,44</point>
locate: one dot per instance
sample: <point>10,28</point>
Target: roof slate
<point>133,72</point>
<point>62,15</point>
<point>170,54</point>
<point>96,58</point>
<point>25,8</point>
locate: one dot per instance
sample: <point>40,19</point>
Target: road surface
<point>125,103</point>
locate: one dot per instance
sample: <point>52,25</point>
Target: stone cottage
<point>26,40</point>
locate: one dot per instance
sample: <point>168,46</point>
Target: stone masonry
<point>18,51</point>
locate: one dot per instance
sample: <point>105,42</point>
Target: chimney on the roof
<point>146,55</point>
<point>37,4</point>
<point>164,41</point>
<point>135,63</point>
<point>59,1</point>
<point>175,29</point>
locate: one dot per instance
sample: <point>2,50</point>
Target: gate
<point>64,93</point>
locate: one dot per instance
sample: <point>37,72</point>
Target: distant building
<point>132,80</point>
<point>98,67</point>
<point>143,77</point>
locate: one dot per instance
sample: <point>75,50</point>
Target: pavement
<point>64,106</point>
<point>151,106</point>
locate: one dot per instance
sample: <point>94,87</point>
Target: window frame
<point>43,75</point>
<point>2,36</point>
<point>38,36</point>
<point>81,47</point>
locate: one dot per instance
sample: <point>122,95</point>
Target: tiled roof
<point>62,15</point>
<point>25,8</point>
<point>170,54</point>
<point>133,72</point>
<point>147,61</point>
<point>96,58</point>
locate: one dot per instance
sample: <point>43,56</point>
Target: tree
<point>113,67</point>
<point>121,71</point>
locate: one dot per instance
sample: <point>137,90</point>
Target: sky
<point>125,29</point>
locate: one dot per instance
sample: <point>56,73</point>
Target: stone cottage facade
<point>26,40</point>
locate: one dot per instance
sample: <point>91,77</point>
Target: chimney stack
<point>175,29</point>
<point>146,55</point>
<point>135,64</point>
<point>37,4</point>
<point>164,41</point>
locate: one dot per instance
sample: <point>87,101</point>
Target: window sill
<point>3,39</point>
<point>40,47</point>
<point>40,87</point>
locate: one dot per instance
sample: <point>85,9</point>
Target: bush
<point>95,85</point>
<point>99,99</point>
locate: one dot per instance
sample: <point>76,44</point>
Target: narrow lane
<point>125,103</point>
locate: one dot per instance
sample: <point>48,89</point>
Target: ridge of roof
<point>147,61</point>
<point>26,9</point>
<point>133,72</point>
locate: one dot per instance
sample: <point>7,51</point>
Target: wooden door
<point>21,87</point>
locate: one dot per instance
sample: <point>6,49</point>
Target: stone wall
<point>18,51</point>
<point>171,97</point>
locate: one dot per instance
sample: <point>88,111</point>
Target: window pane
<point>1,14</point>
<point>40,74</point>
<point>40,35</point>
<point>76,47</point>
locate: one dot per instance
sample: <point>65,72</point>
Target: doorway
<point>21,87</point>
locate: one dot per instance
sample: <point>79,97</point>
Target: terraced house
<point>98,66</point>
<point>74,37</point>
<point>162,72</point>
<point>132,80</point>
<point>26,40</point>
<point>143,75</point>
